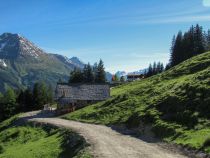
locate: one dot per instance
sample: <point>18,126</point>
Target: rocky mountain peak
<point>77,61</point>
<point>15,45</point>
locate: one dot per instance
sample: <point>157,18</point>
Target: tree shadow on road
<point>122,129</point>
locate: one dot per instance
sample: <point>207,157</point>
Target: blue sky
<point>126,34</point>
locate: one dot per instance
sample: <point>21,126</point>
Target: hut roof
<point>82,91</point>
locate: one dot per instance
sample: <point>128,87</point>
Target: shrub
<point>133,121</point>
<point>163,129</point>
<point>207,142</point>
<point>1,149</point>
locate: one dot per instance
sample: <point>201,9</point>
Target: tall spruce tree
<point>25,100</point>
<point>95,71</point>
<point>10,105</point>
<point>154,69</point>
<point>50,94</point>
<point>88,74</point>
<point>187,45</point>
<point>208,40</point>
<point>199,40</point>
<point>40,95</point>
<point>159,68</point>
<point>21,100</point>
<point>100,76</point>
<point>177,51</point>
<point>172,55</point>
<point>150,71</point>
<point>76,76</point>
<point>28,100</point>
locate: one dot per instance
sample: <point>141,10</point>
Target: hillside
<point>22,63</point>
<point>175,104</point>
<point>39,141</point>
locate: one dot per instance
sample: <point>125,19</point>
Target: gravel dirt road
<point>107,143</point>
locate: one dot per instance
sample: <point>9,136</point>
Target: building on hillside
<point>74,96</point>
<point>134,77</point>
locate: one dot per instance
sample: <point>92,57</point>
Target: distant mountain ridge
<point>22,63</point>
<point>124,73</point>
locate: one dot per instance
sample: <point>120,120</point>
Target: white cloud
<point>206,3</point>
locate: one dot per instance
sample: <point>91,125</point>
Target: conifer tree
<point>40,95</point>
<point>199,40</point>
<point>150,70</point>
<point>50,94</point>
<point>76,76</point>
<point>100,76</point>
<point>177,51</point>
<point>161,67</point>
<point>95,71</point>
<point>158,68</point>
<point>168,66</point>
<point>172,55</point>
<point>185,48</point>
<point>21,100</point>
<point>190,48</point>
<point>192,43</point>
<point>10,105</point>
<point>36,94</point>
<point>88,74</point>
<point>25,100</point>
<point>28,100</point>
<point>154,68</point>
<point>208,40</point>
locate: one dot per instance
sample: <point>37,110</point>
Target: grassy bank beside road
<point>41,141</point>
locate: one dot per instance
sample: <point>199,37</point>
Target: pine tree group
<point>13,102</point>
<point>193,42</point>
<point>154,69</point>
<point>89,74</point>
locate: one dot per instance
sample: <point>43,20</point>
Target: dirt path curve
<point>107,143</point>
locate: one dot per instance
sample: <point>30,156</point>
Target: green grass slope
<point>175,103</point>
<point>33,142</point>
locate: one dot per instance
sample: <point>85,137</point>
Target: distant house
<point>73,96</point>
<point>133,77</point>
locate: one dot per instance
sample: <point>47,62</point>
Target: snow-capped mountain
<point>14,45</point>
<point>124,73</point>
<point>22,63</point>
<point>139,72</point>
